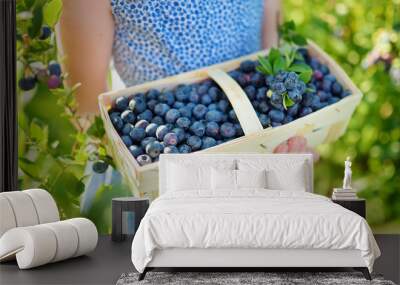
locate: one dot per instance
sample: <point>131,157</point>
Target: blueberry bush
<point>55,146</point>
<point>364,37</point>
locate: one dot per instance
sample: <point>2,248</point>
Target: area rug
<point>243,278</point>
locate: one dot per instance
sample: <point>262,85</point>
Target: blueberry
<point>54,69</point>
<point>315,103</point>
<point>278,88</point>
<point>194,142</point>
<point>199,111</point>
<point>251,92</point>
<point>114,114</point>
<point>318,75</point>
<point>330,77</point>
<point>170,139</point>
<point>314,63</point>
<point>194,97</point>
<point>293,110</point>
<point>269,79</point>
<point>223,105</point>
<point>154,149</point>
<point>198,128</point>
<point>161,109</point>
<point>238,130</point>
<point>137,134</point>
<point>307,99</point>
<point>212,106</point>
<point>295,96</point>
<point>146,141</point>
<point>326,85</point>
<point>257,79</point>
<point>186,111</point>
<point>127,140</point>
<point>152,94</point>
<point>276,100</point>
<point>137,104</point>
<point>212,129</point>
<point>305,111</point>
<point>172,115</point>
<point>264,120</point>
<point>300,86</point>
<point>247,66</point>
<point>157,120</point>
<point>324,69</point>
<point>182,92</point>
<point>143,159</point>
<point>276,115</point>
<point>323,96</point>
<point>100,166</point>
<point>183,122</point>
<point>45,33</point>
<point>135,150</point>
<point>261,93</point>
<point>206,99</point>
<point>167,97</point>
<point>208,142</point>
<point>243,79</point>
<point>128,117</point>
<point>171,149</point>
<point>27,83</point>
<point>287,119</point>
<point>224,118</point>
<point>336,88</point>
<point>178,105</point>
<point>151,130</point>
<point>276,124</point>
<point>214,93</point>
<point>281,76</point>
<point>291,80</point>
<point>214,116</point>
<point>255,104</point>
<point>191,105</point>
<point>151,104</point>
<point>161,132</point>
<point>203,88</point>
<point>53,82</point>
<point>227,130</point>
<point>263,107</point>
<point>169,126</point>
<point>142,124</point>
<point>127,128</point>
<point>180,133</point>
<point>117,122</point>
<point>184,148</point>
<point>121,103</point>
<point>333,100</point>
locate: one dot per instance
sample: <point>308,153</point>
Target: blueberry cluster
<point>267,93</point>
<point>50,75</point>
<point>183,120</point>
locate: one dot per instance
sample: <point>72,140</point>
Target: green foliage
<point>54,147</point>
<point>363,37</point>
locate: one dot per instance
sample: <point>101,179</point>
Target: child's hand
<point>296,144</point>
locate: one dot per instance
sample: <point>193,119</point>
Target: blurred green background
<point>57,153</point>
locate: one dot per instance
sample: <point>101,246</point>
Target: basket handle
<point>240,102</point>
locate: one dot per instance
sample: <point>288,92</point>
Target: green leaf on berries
<point>265,66</point>
<point>287,102</point>
<point>279,64</point>
<point>52,11</point>
<point>306,75</point>
<point>304,71</point>
<point>37,22</point>
<point>97,128</point>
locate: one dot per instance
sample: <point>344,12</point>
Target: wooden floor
<point>110,260</point>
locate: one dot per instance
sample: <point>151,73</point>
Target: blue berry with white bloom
<point>143,159</point>
<point>128,117</point>
<point>142,124</point>
<point>135,150</point>
<point>146,141</point>
<point>127,140</point>
<point>199,111</point>
<point>161,109</point>
<point>117,122</point>
<point>151,130</point>
<point>171,149</point>
<point>227,130</point>
<point>170,139</point>
<point>154,149</point>
<point>157,120</point>
<point>183,122</point>
<point>184,148</point>
<point>180,133</point>
<point>212,129</point>
<point>161,132</point>
<point>276,116</point>
<point>127,129</point>
<point>172,115</point>
<point>137,134</point>
<point>214,116</point>
<point>145,115</point>
<point>198,128</point>
<point>208,142</point>
<point>194,142</point>
<point>121,103</point>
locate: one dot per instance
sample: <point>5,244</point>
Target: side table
<point>127,212</point>
<point>355,205</point>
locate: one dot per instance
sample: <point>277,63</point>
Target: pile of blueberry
<point>265,92</point>
<point>183,120</point>
<point>198,116</point>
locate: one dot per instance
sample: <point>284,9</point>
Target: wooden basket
<point>323,126</point>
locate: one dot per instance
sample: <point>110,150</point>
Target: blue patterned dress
<point>158,38</point>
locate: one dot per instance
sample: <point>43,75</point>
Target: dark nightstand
<point>127,212</point>
<point>356,205</point>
